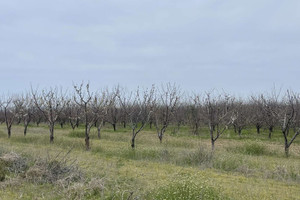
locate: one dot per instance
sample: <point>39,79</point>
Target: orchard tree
<point>10,112</point>
<point>38,116</point>
<point>50,103</point>
<point>218,113</point>
<point>73,112</point>
<point>256,112</point>
<point>180,116</point>
<point>138,110</point>
<point>24,106</point>
<point>166,105</point>
<point>291,108</point>
<point>271,111</point>
<point>240,116</point>
<point>100,103</point>
<point>113,110</point>
<point>195,111</point>
<point>83,99</point>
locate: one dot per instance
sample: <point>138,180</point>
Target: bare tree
<point>10,112</point>
<point>50,103</point>
<point>240,116</point>
<point>24,106</point>
<point>195,113</point>
<point>180,116</point>
<point>291,108</point>
<point>100,105</point>
<point>62,118</point>
<point>218,115</point>
<point>166,105</point>
<point>83,99</point>
<point>73,112</point>
<point>271,111</point>
<point>256,111</point>
<point>113,112</point>
<point>138,110</point>
<point>38,116</point>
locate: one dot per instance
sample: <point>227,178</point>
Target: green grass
<point>182,167</point>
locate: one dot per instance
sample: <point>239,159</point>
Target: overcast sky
<point>242,47</point>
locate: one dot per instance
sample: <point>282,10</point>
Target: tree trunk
<point>234,128</point>
<point>196,129</point>
<point>114,126</point>
<point>25,129</point>
<point>133,142</point>
<point>9,131</point>
<point>211,132</point>
<point>87,138</point>
<point>87,142</point>
<point>270,131</point>
<point>258,129</point>
<point>160,136</point>
<point>51,133</point>
<point>99,131</point>
<point>212,145</point>
<point>73,126</point>
<point>77,122</point>
<point>240,132</point>
<point>286,150</point>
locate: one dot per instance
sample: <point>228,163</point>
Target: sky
<point>242,47</point>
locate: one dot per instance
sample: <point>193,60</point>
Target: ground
<point>181,167</point>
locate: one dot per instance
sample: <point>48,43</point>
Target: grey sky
<point>239,46</point>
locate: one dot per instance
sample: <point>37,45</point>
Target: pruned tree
<point>240,116</point>
<point>50,103</point>
<point>166,105</point>
<point>73,112</point>
<point>24,106</point>
<point>10,112</point>
<point>256,112</point>
<point>291,108</point>
<point>218,113</point>
<point>100,104</point>
<point>138,110</point>
<point>271,111</point>
<point>38,116</point>
<point>113,110</point>
<point>83,99</point>
<point>62,118</point>
<point>179,117</point>
<point>195,111</point>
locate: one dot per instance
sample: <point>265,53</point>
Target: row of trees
<point>156,107</point>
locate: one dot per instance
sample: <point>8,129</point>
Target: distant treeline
<point>156,107</point>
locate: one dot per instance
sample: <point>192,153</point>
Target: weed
<point>186,188</point>
<point>251,148</point>
<point>201,156</point>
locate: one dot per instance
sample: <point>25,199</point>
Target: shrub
<point>53,171</point>
<point>11,163</point>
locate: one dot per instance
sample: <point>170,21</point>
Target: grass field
<point>182,167</point>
